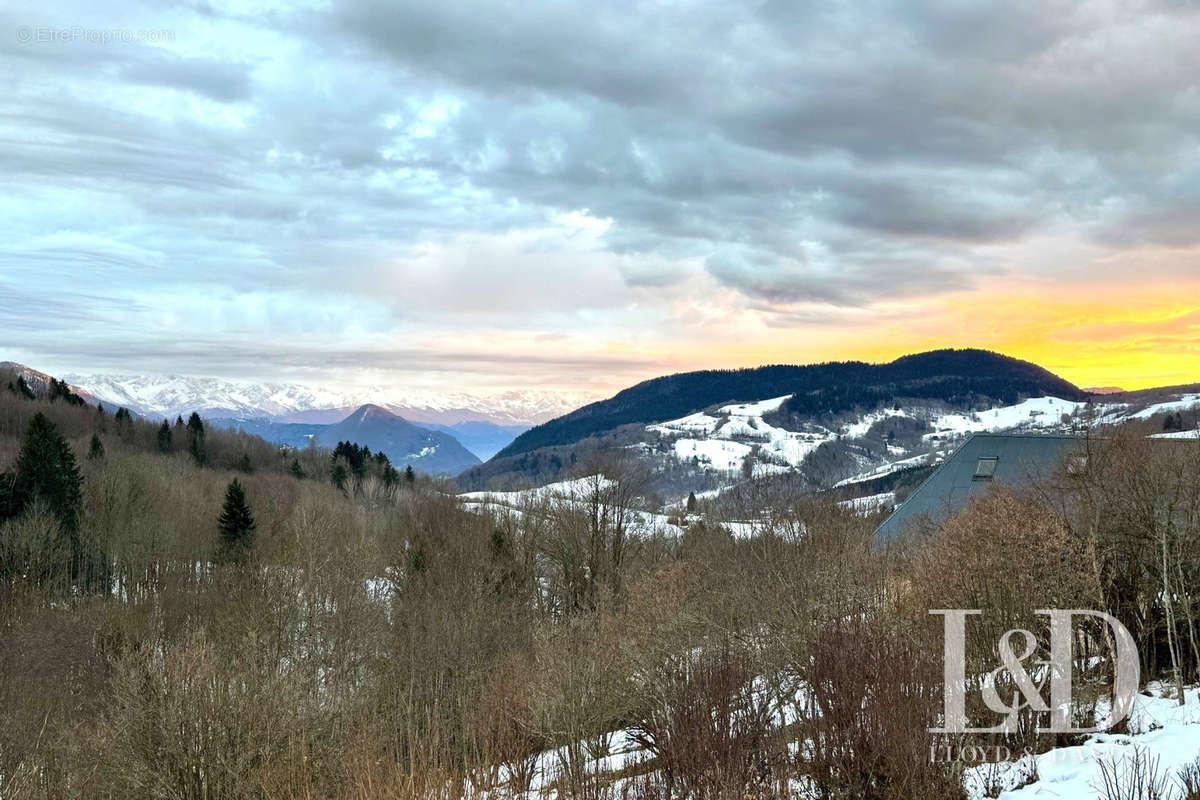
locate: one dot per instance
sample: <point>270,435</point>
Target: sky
<point>477,195</point>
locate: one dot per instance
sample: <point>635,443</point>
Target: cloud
<point>215,79</point>
<point>421,169</point>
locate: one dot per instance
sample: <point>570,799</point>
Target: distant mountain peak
<point>404,443</point>
<point>370,410</point>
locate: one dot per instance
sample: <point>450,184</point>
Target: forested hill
<point>955,376</point>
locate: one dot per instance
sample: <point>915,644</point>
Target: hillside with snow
<point>825,422</point>
<point>731,443</point>
<point>750,440</point>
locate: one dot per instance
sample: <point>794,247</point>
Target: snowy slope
<point>1194,434</point>
<point>1038,413</point>
<point>570,493</point>
<point>724,438</point>
<point>721,439</point>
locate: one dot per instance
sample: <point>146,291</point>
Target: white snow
<point>1159,725</point>
<point>870,503</point>
<point>717,453</point>
<point>1161,730</point>
<point>1186,402</point>
<point>577,491</point>
<point>572,492</point>
<point>1037,412</point>
<point>860,428</point>
<point>754,409</point>
<point>920,459</point>
<point>1178,435</point>
<point>722,439</point>
<point>169,395</point>
<point>574,489</point>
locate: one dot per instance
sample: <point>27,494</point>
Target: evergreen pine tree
<point>409,475</point>
<point>46,472</point>
<point>96,448</point>
<point>390,476</point>
<point>195,432</point>
<point>124,422</point>
<point>339,476</point>
<point>24,390</point>
<point>296,470</point>
<point>243,464</point>
<point>164,438</point>
<point>62,390</point>
<point>236,526</point>
<point>8,502</point>
<point>691,502</point>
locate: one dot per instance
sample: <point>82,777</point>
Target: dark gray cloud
<point>218,80</point>
<point>375,168</point>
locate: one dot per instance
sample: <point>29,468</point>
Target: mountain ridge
<point>821,387</point>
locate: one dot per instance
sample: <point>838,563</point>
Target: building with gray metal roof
<point>986,459</point>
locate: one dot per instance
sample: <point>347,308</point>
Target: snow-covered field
<point>932,457</point>
<point>1163,730</point>
<point>572,492</point>
<point>576,492</point>
<point>1178,435</point>
<point>870,503</point>
<point>1037,413</point>
<point>722,440</point>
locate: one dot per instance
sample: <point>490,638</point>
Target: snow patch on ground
<point>1178,435</point>
<point>870,503</point>
<point>721,440</point>
<point>920,460</point>
<point>1160,726</point>
<point>575,492</point>
<point>1186,402</point>
<point>1037,412</point>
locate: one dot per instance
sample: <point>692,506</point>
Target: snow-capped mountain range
<point>170,395</point>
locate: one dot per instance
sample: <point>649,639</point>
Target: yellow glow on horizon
<point>1134,337</point>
